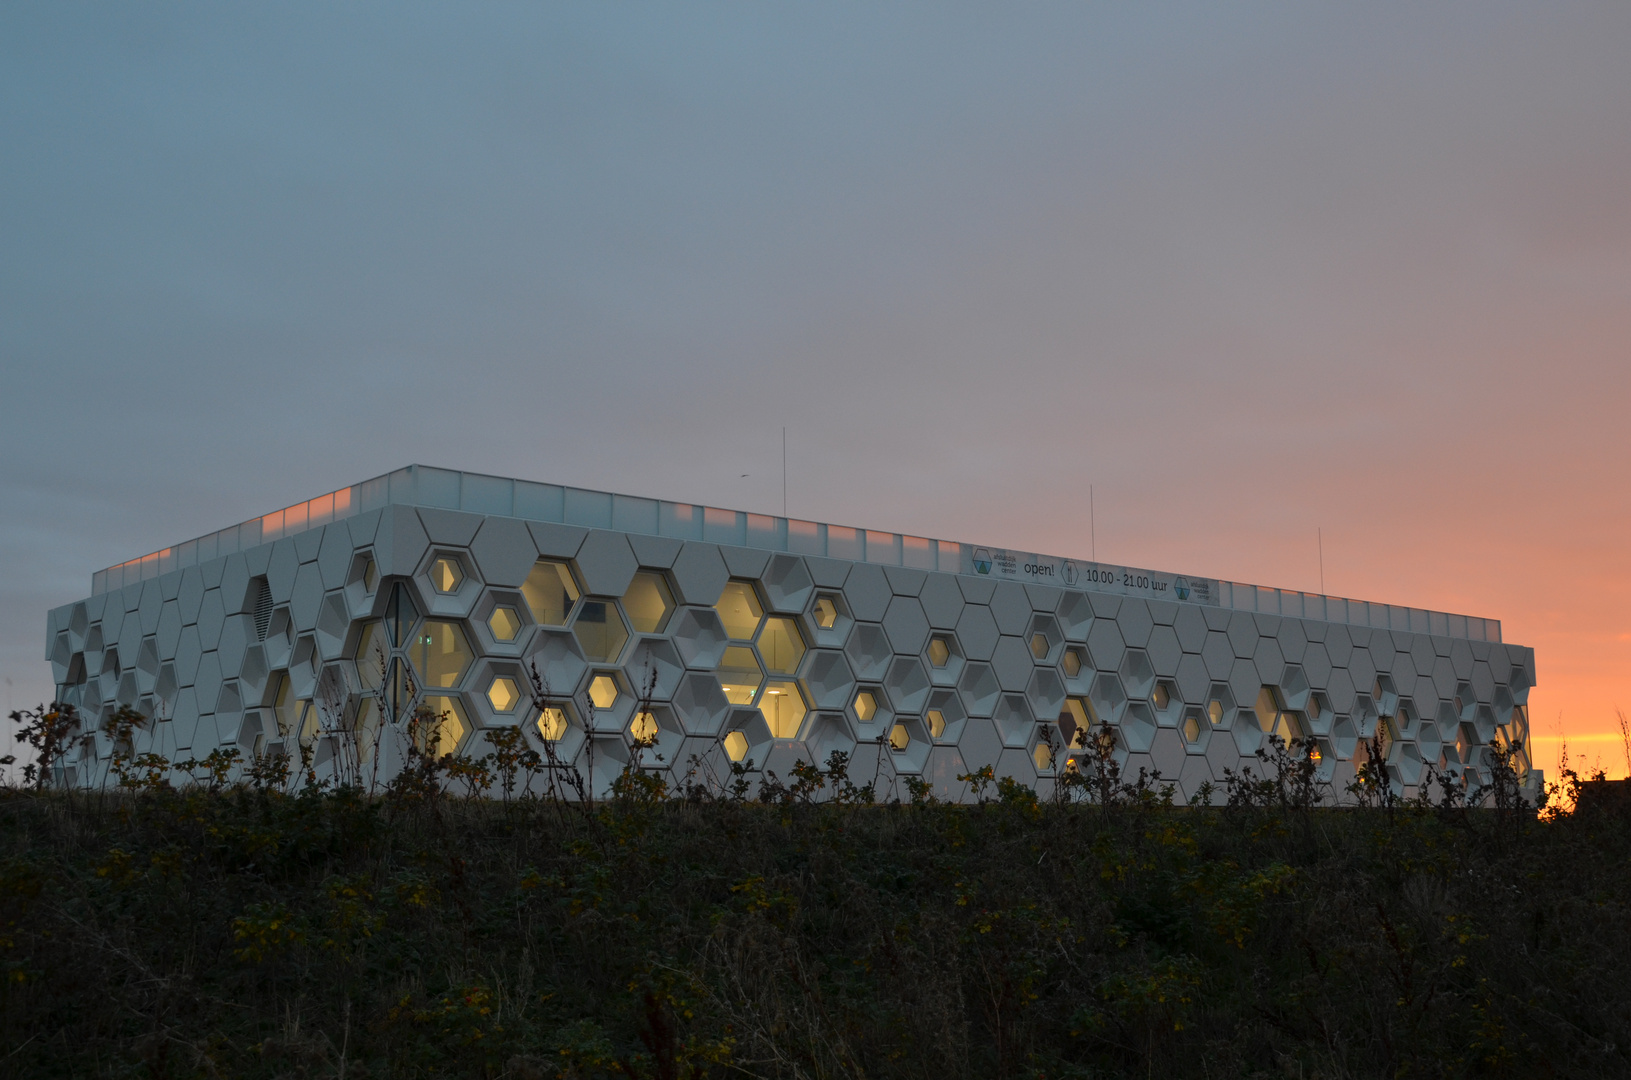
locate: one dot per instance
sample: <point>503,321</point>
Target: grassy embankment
<point>244,931</point>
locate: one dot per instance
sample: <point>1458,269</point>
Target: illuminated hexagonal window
<point>446,575</point>
<point>600,631</point>
<point>1075,720</point>
<point>1192,727</point>
<point>936,721</point>
<point>1161,697</point>
<point>441,654</point>
<point>1040,646</point>
<point>939,651</point>
<point>736,746</point>
<point>373,654</point>
<point>443,726</point>
<point>552,724</point>
<point>1043,756</point>
<point>866,706</point>
<point>648,602</point>
<point>739,675</point>
<point>550,592</point>
<point>825,612</point>
<point>505,623</point>
<point>783,707</point>
<point>504,694</point>
<point>1072,663</point>
<point>780,645</point>
<point>739,609</point>
<point>603,691</point>
<point>899,737</point>
<point>1214,711</point>
<point>643,728</point>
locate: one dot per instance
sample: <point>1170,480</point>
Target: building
<point>718,636</point>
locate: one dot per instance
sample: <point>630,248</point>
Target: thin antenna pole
<point>1320,534</point>
<point>1092,523</point>
<point>784,472</point>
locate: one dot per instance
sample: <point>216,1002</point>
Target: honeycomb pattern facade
<point>704,651</point>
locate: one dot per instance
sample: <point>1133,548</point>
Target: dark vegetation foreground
<point>253,933</point>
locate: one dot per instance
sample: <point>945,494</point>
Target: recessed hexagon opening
<point>787,583</point>
<point>783,707</point>
<point>504,623</point>
<point>554,722</point>
<point>648,602</point>
<point>600,631</point>
<point>1427,739</point>
<point>441,725</point>
<point>909,744</point>
<point>657,734</point>
<point>829,732</point>
<point>1365,715</point>
<point>558,660</point>
<point>907,684</point>
<point>939,651</point>
<point>740,675</point>
<point>362,579</point>
<point>824,612</point>
<point>701,703</point>
<point>750,724</point>
<point>606,701</point>
<point>1274,719</point>
<point>279,637</point>
<point>1137,727</point>
<point>1386,697</point>
<point>700,637</point>
<point>945,657</point>
<point>446,574</point>
<point>654,668</point>
<point>1405,718</point>
<point>829,619</point>
<point>1466,702</point>
<point>1045,639</point>
<point>739,610</point>
<point>1045,692</point>
<point>1220,705</point>
<point>1504,704</point>
<point>1405,758</point>
<point>781,646</point>
<point>828,678</point>
<point>979,689</point>
<point>1196,729</point>
<point>869,651</point>
<point>868,703</point>
<point>1137,674</point>
<point>870,711</point>
<point>945,717</point>
<point>1319,713</point>
<point>504,694</point>
<point>1484,724</point>
<point>1015,721</point>
<point>604,692</point>
<point>440,654</point>
<point>550,592</point>
<point>1044,753</point>
<point>1166,701</point>
<point>1108,698</point>
<point>1344,737</point>
<point>736,746</point>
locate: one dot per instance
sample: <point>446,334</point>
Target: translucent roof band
<point>422,485</point>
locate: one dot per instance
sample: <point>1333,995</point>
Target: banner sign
<point>1029,567</point>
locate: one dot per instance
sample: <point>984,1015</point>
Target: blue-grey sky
<point>1249,270</point>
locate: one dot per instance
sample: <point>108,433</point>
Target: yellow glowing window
<point>899,737</point>
<point>504,623</point>
<point>1072,662</point>
<point>736,746</point>
<point>783,709</point>
<point>644,728</point>
<point>866,706</point>
<point>1192,728</point>
<point>599,630</point>
<point>504,694</point>
<point>550,593</point>
<point>446,575</point>
<point>825,612</point>
<point>739,609</point>
<point>739,675</point>
<point>939,651</point>
<point>552,724</point>
<point>441,726</point>
<point>1040,646</point>
<point>648,602</point>
<point>780,645</point>
<point>440,654</point>
<point>937,722</point>
<point>1043,757</point>
<point>603,691</point>
<point>1214,711</point>
<point>1162,696</point>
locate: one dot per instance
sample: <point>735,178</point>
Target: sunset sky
<point>1254,273</point>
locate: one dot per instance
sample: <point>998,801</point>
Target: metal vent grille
<point>263,608</point>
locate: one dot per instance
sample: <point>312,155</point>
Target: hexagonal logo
<point>1067,571</point>
<point>982,560</point>
<point>1180,587</point>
